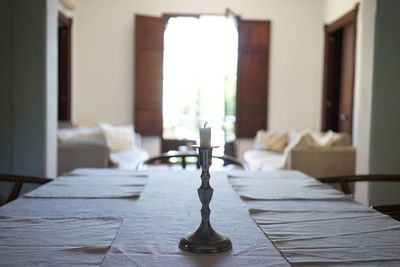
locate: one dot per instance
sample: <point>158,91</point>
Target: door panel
<point>347,80</point>
<point>64,67</point>
<point>338,86</point>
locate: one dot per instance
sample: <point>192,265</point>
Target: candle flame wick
<point>205,125</point>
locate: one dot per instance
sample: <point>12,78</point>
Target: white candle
<point>205,137</point>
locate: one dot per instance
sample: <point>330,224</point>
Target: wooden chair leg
<point>345,187</point>
<point>197,162</point>
<point>184,162</point>
<point>16,189</point>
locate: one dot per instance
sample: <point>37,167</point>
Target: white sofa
<point>316,154</point>
<point>93,147</point>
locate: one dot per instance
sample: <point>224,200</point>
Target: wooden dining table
<point>109,217</point>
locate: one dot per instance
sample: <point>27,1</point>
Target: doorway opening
<point>199,79</point>
<point>64,68</point>
<point>338,87</point>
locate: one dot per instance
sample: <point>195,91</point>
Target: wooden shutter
<point>252,84</point>
<point>149,39</point>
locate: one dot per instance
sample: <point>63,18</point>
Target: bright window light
<point>200,66</point>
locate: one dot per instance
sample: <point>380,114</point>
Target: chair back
<point>345,181</point>
<point>185,158</point>
<point>18,181</point>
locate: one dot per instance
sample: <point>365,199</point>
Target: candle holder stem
<point>205,239</point>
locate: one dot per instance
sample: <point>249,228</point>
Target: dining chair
<point>345,181</point>
<point>185,158</point>
<point>18,181</point>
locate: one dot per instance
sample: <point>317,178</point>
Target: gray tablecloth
<point>318,232</point>
<point>167,209</point>
<point>306,231</point>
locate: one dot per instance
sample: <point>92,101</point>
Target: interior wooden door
<point>345,120</point>
<point>333,58</point>
<point>64,67</point>
<point>338,86</point>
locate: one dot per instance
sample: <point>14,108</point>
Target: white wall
<point>385,126</point>
<point>51,89</point>
<point>103,58</point>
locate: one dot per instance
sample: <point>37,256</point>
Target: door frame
<point>64,67</point>
<point>330,92</point>
<point>147,110</point>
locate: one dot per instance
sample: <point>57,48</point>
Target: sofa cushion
<point>257,139</point>
<point>119,138</point>
<point>259,159</point>
<point>262,159</point>
<point>342,139</point>
<point>82,135</point>
<point>128,159</point>
<point>330,139</point>
<point>324,139</point>
<point>304,139</point>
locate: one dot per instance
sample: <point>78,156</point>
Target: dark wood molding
<point>64,67</point>
<point>64,20</point>
<point>325,90</point>
<point>347,18</point>
<point>196,15</point>
<point>167,16</point>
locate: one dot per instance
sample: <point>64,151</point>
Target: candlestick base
<point>205,240</point>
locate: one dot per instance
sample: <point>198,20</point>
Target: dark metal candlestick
<point>205,239</point>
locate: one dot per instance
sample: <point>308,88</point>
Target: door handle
<point>343,117</point>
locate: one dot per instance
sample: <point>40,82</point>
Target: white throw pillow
<point>342,139</point>
<point>331,138</point>
<point>258,139</point>
<point>324,139</point>
<point>128,159</point>
<point>303,140</point>
<point>81,135</point>
<point>118,138</point>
